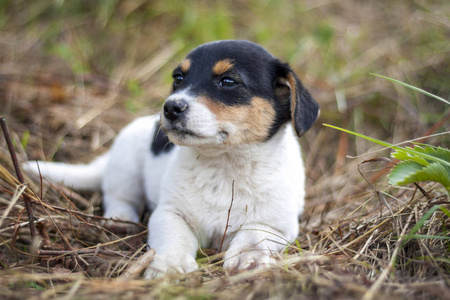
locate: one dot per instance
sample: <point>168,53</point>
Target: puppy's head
<point>234,92</point>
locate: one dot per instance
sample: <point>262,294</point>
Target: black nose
<point>174,109</point>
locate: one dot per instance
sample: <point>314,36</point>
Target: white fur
<point>191,188</point>
<point>196,193</point>
<point>80,177</point>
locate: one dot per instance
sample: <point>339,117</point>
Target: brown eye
<point>177,79</point>
<point>227,82</point>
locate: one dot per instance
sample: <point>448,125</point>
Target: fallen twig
<point>79,251</point>
<point>228,217</point>
<point>139,265</point>
<point>13,201</point>
<point>19,175</point>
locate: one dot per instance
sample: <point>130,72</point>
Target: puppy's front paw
<point>248,259</point>
<point>167,263</point>
<point>122,212</point>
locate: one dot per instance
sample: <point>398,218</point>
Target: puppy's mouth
<point>182,133</point>
<point>184,136</point>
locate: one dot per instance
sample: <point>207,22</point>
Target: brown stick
<point>79,251</point>
<point>138,265</point>
<point>19,176</point>
<point>228,218</point>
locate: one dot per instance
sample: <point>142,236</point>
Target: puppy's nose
<point>174,109</point>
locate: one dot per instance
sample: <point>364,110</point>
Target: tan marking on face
<point>222,66</point>
<point>283,90</point>
<point>293,87</point>
<point>185,65</point>
<point>248,123</point>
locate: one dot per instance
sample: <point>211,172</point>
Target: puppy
<point>226,137</point>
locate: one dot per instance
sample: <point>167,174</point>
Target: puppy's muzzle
<point>175,109</point>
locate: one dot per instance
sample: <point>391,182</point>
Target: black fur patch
<point>253,72</point>
<point>160,142</point>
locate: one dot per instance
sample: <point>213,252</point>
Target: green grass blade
<point>25,138</point>
<point>412,87</point>
<point>361,136</point>
<point>420,224</point>
<point>445,211</point>
<point>385,144</point>
<point>424,236</point>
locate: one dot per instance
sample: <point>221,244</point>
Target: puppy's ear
<point>304,109</point>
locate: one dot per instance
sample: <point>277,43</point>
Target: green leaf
<point>437,158</point>
<point>425,163</point>
<point>437,152</point>
<point>443,154</point>
<point>402,170</point>
<point>409,172</point>
<point>405,156</point>
<point>415,168</point>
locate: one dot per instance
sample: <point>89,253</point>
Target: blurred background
<point>72,73</point>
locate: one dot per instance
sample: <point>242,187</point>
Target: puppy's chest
<point>217,182</point>
<point>206,188</point>
<point>211,192</point>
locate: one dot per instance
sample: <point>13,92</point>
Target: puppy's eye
<point>227,82</point>
<point>177,79</point>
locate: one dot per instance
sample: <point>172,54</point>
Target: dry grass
<point>353,242</point>
<point>353,250</point>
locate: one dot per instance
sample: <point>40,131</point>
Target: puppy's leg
<point>175,244</point>
<point>123,180</point>
<point>123,192</point>
<point>252,247</point>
